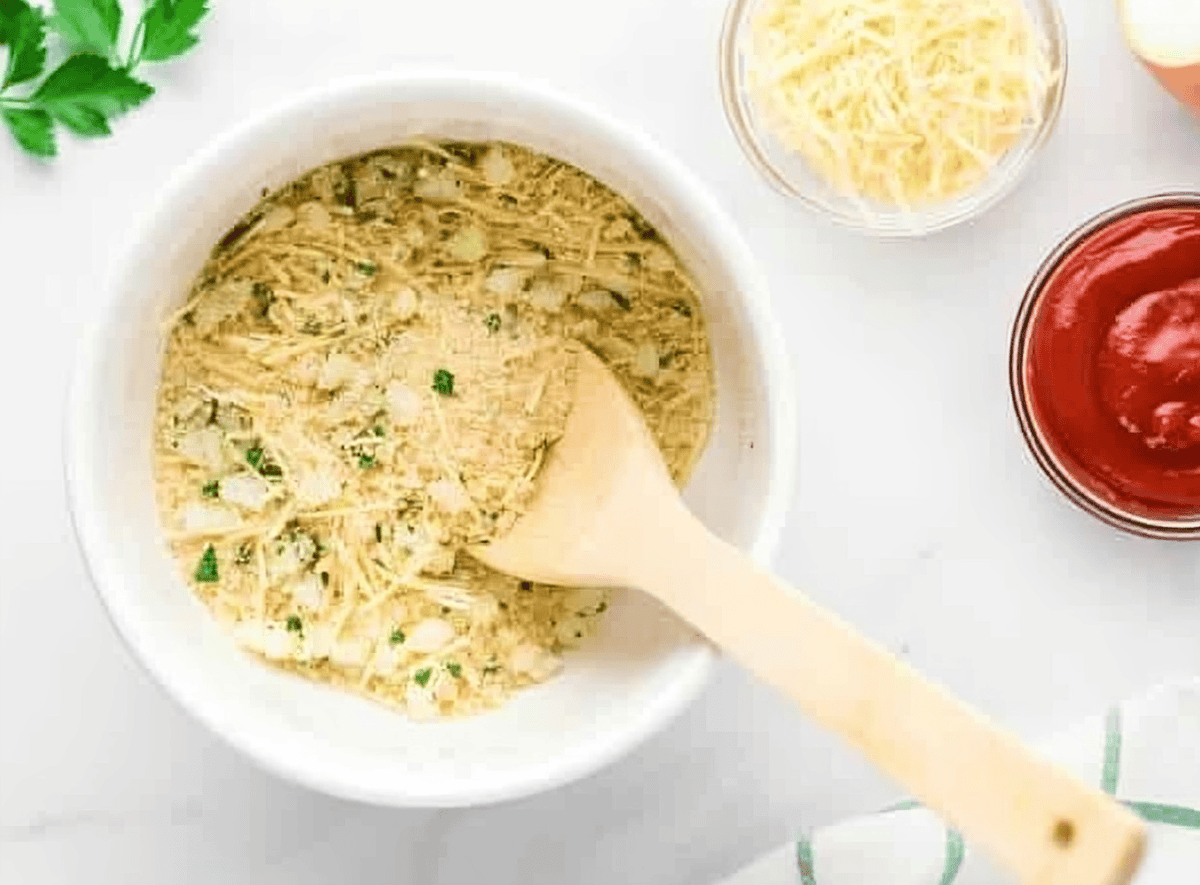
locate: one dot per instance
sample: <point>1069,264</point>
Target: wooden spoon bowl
<point>607,514</point>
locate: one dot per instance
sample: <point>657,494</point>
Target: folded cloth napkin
<point>1146,752</point>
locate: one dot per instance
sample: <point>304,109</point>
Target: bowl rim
<point>102,555</point>
<point>1053,467</point>
<point>737,103</point>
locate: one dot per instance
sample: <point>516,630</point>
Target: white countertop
<point>918,513</point>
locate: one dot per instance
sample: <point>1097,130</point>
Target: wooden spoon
<point>607,514</point>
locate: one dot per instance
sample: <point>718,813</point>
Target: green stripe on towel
<point>1173,815</point>
<point>955,851</point>
<point>906,805</point>
<point>1111,772</point>
<point>804,860</point>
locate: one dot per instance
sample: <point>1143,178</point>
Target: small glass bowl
<point>792,176</point>
<point>1079,488</point>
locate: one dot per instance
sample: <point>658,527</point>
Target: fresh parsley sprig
<point>95,84</point>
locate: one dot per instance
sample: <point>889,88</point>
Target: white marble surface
<point>918,514</point>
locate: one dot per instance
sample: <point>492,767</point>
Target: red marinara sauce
<point>1112,368</point>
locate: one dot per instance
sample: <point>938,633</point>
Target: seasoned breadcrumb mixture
<point>365,379</point>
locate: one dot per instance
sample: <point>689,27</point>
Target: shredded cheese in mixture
<point>905,102</point>
<point>365,379</point>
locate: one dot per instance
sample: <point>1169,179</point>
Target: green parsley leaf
<point>33,130</point>
<point>365,461</point>
<point>25,34</point>
<point>254,456</point>
<point>397,636</point>
<point>90,25</point>
<point>206,569</point>
<point>454,669</point>
<point>167,28</point>
<point>422,677</point>
<point>86,91</point>
<point>92,87</point>
<point>377,430</point>
<point>443,382</point>
<point>366,268</point>
<point>492,322</point>
<point>294,624</point>
<point>211,489</point>
<point>9,10</point>
<point>264,297</point>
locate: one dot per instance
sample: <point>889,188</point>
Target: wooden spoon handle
<point>1045,825</point>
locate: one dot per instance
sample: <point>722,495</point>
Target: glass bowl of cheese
<point>893,117</point>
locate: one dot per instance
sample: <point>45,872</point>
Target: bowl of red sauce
<point>1105,366</point>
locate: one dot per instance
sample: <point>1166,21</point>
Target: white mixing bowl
<point>640,670</point>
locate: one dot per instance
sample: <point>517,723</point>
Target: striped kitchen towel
<point>1145,752</point>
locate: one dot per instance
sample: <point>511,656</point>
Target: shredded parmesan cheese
<point>366,378</point>
<point>905,102</point>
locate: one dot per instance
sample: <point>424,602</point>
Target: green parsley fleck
<point>206,570</point>
<point>294,624</point>
<point>254,456</point>
<point>211,489</point>
<point>366,268</point>
<point>263,296</point>
<point>365,461</point>
<point>397,636</point>
<point>422,677</point>
<point>443,382</point>
<point>492,322</point>
<point>377,430</point>
<point>454,669</point>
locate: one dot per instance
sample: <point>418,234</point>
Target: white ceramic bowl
<point>640,670</point>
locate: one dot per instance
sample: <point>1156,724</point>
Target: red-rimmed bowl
<point>1062,468</point>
